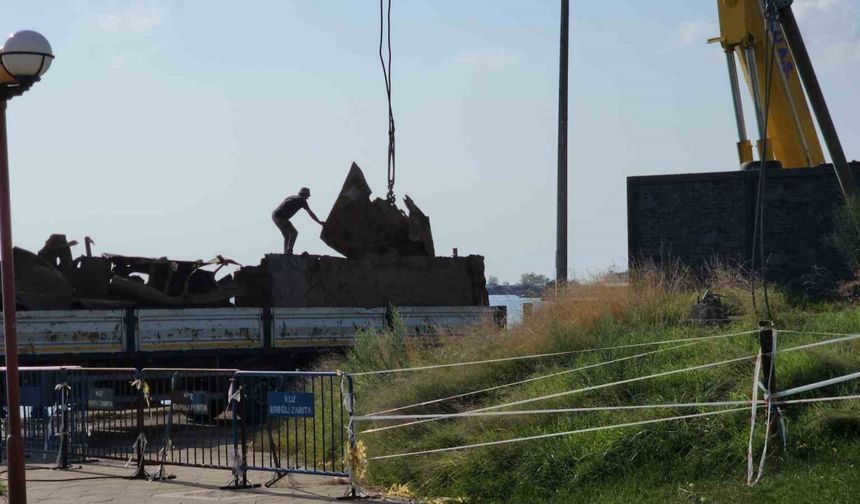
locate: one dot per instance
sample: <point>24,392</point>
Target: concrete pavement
<point>103,482</point>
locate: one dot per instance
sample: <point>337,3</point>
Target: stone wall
<point>700,217</point>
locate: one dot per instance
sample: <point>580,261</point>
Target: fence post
<point>161,473</point>
<point>140,442</point>
<point>240,468</point>
<point>355,457</point>
<point>768,342</point>
<point>63,455</point>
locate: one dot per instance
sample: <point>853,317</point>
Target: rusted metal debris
<point>51,279</point>
<point>357,227</point>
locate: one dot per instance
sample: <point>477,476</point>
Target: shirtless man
<point>285,211</point>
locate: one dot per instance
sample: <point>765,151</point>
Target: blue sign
<point>194,402</point>
<point>291,404</point>
<point>101,399</point>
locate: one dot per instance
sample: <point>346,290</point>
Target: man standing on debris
<point>285,211</point>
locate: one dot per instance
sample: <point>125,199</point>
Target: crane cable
<point>771,18</point>
<point>386,72</point>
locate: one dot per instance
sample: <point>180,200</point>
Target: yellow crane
<point>753,33</point>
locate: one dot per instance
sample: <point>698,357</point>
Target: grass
<point>695,460</point>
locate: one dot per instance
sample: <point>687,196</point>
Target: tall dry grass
<point>653,305</point>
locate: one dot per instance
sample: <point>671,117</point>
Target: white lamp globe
<point>26,54</point>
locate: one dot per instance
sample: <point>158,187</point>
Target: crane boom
<point>791,130</point>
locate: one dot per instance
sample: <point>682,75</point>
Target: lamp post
<point>24,58</point>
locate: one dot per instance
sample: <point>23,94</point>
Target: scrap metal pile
<point>389,260</point>
<point>52,280</point>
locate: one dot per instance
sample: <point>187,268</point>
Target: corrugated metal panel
<point>68,331</point>
<point>303,327</point>
<point>424,320</point>
<point>199,329</point>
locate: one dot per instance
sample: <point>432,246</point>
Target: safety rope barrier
<point>554,354</point>
<point>822,343</point>
<point>578,391</point>
<point>558,434</point>
<point>815,333</point>
<point>584,409</point>
<point>753,410</point>
<point>755,404</point>
<point>626,381</point>
<point>813,386</point>
<point>530,380</point>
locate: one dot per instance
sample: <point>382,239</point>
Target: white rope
<point>622,382</point>
<point>579,390</point>
<point>770,408</point>
<point>813,386</point>
<point>369,418</point>
<point>815,333</point>
<point>753,410</point>
<point>555,354</point>
<point>529,380</point>
<point>557,434</point>
<point>822,343</point>
<point>820,399</point>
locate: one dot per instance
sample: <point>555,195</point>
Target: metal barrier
<point>186,420</point>
<point>40,407</point>
<point>278,422</point>
<point>103,408</point>
<point>292,422</point>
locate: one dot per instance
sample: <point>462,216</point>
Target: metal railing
<point>294,422</point>
<point>271,421</point>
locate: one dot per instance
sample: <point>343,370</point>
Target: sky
<point>173,128</point>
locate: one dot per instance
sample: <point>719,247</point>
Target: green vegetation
<point>694,460</point>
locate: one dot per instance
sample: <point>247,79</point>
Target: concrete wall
<point>698,217</point>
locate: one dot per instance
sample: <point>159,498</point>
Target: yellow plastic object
<point>791,131</point>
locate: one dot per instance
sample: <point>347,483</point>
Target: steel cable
<point>386,72</point>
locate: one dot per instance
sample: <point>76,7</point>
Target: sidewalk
<point>102,483</point>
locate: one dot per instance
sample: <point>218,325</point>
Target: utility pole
<point>561,229</point>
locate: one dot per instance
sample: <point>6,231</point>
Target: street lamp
<point>24,58</point>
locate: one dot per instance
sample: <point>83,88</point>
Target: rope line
<point>816,333</point>
<point>622,382</point>
<point>529,380</point>
<point>557,434</point>
<point>554,354</point>
<point>753,412</point>
<point>813,386</point>
<point>821,343</point>
<point>819,399</point>
<point>756,403</point>
<point>614,426</point>
<point>578,391</point>
<point>440,416</point>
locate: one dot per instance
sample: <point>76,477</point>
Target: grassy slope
<point>697,460</point>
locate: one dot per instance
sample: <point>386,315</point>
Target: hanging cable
<point>770,58</point>
<point>771,20</point>
<point>386,73</point>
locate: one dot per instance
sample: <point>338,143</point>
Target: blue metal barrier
<point>292,422</point>
<point>271,421</point>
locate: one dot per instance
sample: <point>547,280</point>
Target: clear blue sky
<point>174,128</point>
